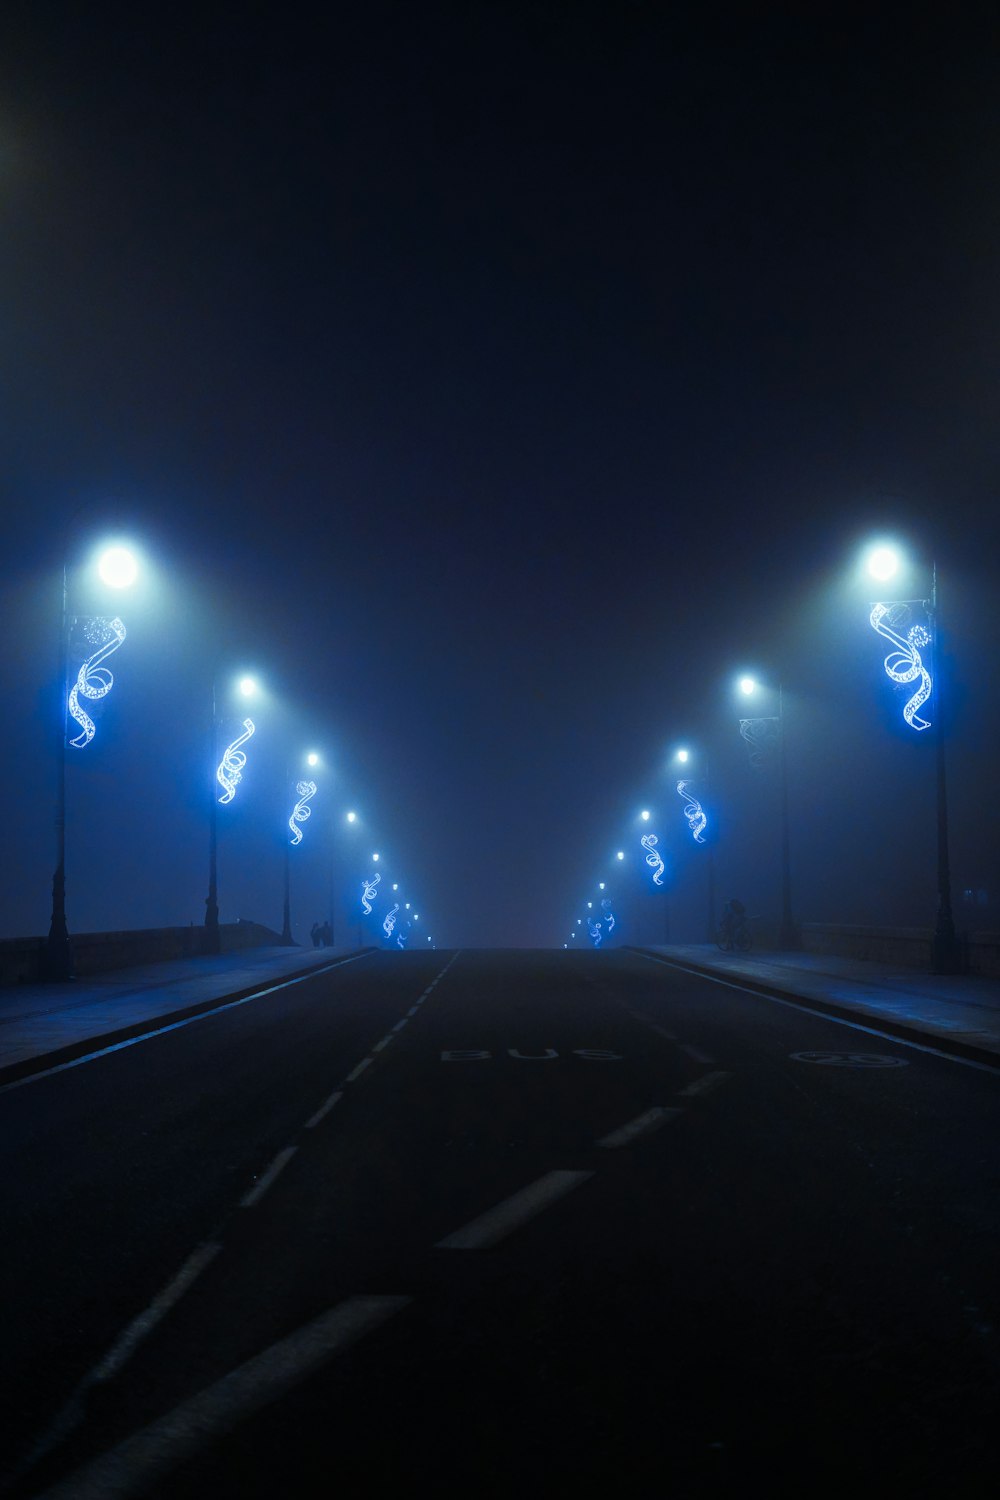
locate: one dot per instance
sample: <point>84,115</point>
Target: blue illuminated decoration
<point>390,920</point>
<point>594,929</point>
<point>904,665</point>
<point>761,737</point>
<point>301,813</point>
<point>230,770</point>
<point>649,842</point>
<point>93,680</point>
<point>368,893</point>
<point>694,812</point>
<point>609,916</point>
<point>401,939</point>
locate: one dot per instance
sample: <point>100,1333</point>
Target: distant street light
<point>905,665</point>
<point>95,638</point>
<point>227,773</point>
<point>300,814</point>
<point>697,820</point>
<point>620,854</point>
<point>757,734</point>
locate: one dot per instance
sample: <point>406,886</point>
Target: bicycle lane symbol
<point>851,1059</point>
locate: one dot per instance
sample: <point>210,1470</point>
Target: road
<point>503,1222</point>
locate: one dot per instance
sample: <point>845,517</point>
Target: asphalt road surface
<point>502,1224</point>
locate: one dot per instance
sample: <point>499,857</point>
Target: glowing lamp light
<point>351,817</point>
<point>300,812</point>
<point>590,905</point>
<point>683,756</point>
<point>649,842</point>
<point>395,885</point>
<point>600,885</point>
<point>93,680</point>
<point>118,567</point>
<point>747,685</point>
<point>883,562</point>
<point>620,854</point>
<point>579,921</point>
<point>248,686</point>
<point>644,815</point>
<point>230,770</point>
<point>375,859</point>
<point>312,759</point>
<point>407,906</point>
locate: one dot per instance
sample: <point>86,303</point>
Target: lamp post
<point>749,729</point>
<point>698,824</point>
<point>905,665</point>
<point>117,567</point>
<point>226,773</point>
<point>305,790</point>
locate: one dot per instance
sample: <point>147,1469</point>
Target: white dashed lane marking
<point>498,1222</point>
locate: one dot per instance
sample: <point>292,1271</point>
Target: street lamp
<point>305,790</point>
<point>697,820</point>
<point>905,666</point>
<point>758,734</point>
<point>117,568</point>
<point>227,773</point>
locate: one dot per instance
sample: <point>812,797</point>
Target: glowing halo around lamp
<point>248,686</point>
<point>300,812</point>
<point>230,771</point>
<point>118,567</point>
<point>649,842</point>
<point>368,893</point>
<point>694,812</point>
<point>93,680</point>
<point>883,561</point>
<point>747,685</point>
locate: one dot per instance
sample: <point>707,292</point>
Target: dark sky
<point>497,380</point>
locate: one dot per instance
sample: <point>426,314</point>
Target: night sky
<point>497,381</point>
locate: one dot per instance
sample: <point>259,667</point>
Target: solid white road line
<point>137,1463</point>
<point>324,1109</point>
<point>365,1062</point>
<point>822,1015</point>
<point>642,1125</point>
<point>262,1184</point>
<point>703,1085</point>
<point>498,1222</point>
<point>205,1015</point>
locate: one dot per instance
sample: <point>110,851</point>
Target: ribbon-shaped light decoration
<point>401,939</point>
<point>609,916</point>
<point>761,736</point>
<point>94,681</point>
<point>694,812</point>
<point>649,842</point>
<point>368,893</point>
<point>231,765</point>
<point>594,929</point>
<point>904,665</point>
<point>301,813</point>
<point>390,920</point>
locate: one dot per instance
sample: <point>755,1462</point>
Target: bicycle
<point>736,939</point>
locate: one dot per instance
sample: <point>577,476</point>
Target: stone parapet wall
<point>908,946</point>
<point>21,959</point>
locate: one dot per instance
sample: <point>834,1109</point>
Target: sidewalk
<point>42,1025</point>
<point>955,1013</point>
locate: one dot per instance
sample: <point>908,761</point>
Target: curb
<point>26,1067</point>
<point>906,1032</point>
